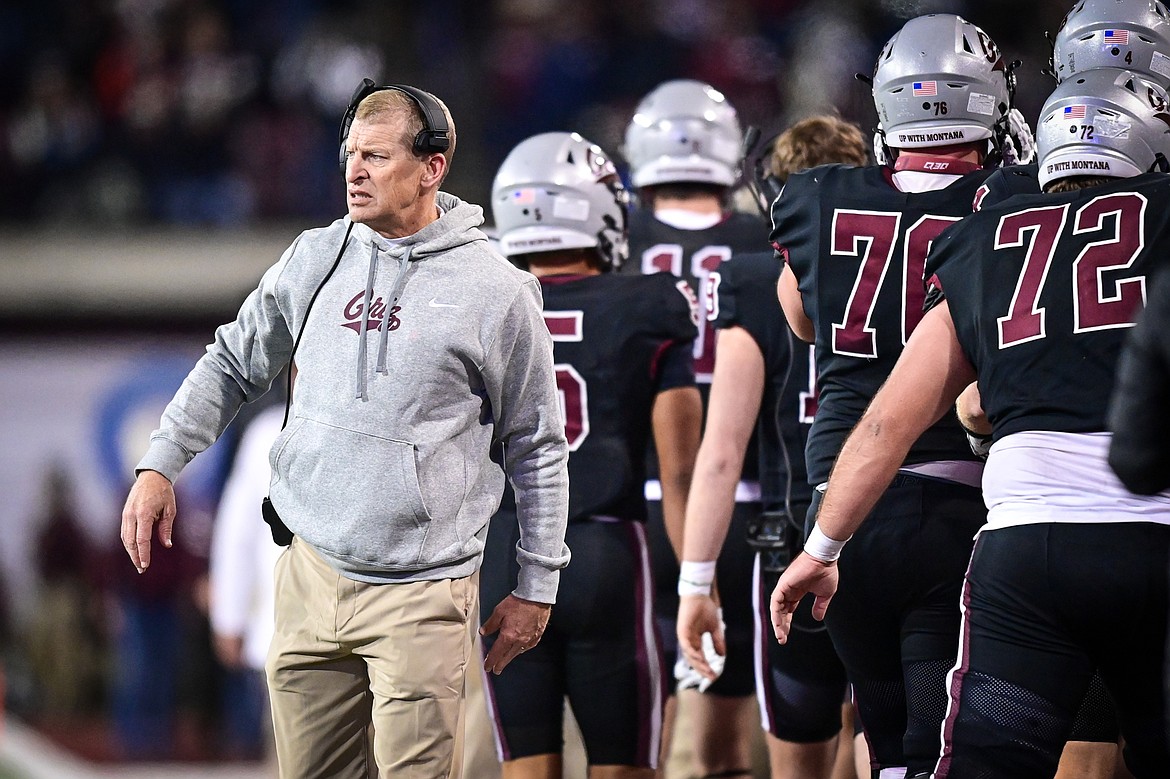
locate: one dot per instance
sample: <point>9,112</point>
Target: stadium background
<point>157,155</point>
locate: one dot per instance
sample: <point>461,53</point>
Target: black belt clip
<point>772,536</point>
<point>281,535</point>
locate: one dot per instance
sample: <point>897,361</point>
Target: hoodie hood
<point>458,224</point>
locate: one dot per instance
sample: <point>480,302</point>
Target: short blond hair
<point>395,102</point>
<point>817,140</point>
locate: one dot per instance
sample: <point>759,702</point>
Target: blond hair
<point>817,140</point>
<point>395,102</point>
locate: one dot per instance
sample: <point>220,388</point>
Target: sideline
<point>31,756</point>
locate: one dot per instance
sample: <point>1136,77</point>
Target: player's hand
<point>151,500</point>
<point>804,575</point>
<point>699,614</point>
<point>521,623</point>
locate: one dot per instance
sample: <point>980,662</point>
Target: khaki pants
<point>346,654</point>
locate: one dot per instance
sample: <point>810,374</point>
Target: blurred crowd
<point>117,666</point>
<point>223,113</point>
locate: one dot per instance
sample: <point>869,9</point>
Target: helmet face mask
<point>1104,122</point>
<point>1129,34</point>
<point>941,81</point>
<point>557,191</point>
<point>684,131</point>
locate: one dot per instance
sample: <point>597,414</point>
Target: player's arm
<point>926,380</point>
<point>788,292</point>
<point>736,389</point>
<point>677,419</point>
<point>1139,451</point>
<point>969,410</point>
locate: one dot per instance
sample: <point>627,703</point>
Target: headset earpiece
<point>433,138</point>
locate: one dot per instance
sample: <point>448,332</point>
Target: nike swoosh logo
<point>436,304</point>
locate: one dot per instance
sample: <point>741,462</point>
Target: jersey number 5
<point>571,387</point>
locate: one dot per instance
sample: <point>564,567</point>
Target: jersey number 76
<point>873,236</point>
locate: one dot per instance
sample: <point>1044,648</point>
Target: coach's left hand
<point>521,623</point>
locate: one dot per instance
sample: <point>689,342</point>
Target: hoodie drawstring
<point>361,356</point>
<point>383,343</point>
<point>395,294</point>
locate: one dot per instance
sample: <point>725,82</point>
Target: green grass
<point>6,772</point>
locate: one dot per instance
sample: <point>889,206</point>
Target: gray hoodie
<point>417,357</point>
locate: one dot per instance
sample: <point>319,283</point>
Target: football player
<point>1139,452</point>
<point>763,386</point>
<point>622,347</point>
<point>1135,35</point>
<point>854,241</point>
<point>1129,34</point>
<point>1069,574</point>
<point>684,146</point>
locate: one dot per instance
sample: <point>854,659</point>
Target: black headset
<point>433,138</point>
<point>764,185</point>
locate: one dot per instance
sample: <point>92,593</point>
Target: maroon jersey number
<point>668,258</point>
<point>808,397</point>
<point>872,236</point>
<point>574,394</point>
<point>1098,303</point>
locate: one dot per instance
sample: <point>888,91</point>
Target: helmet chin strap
<point>1161,164</point>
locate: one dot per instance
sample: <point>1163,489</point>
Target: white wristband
<point>820,547</point>
<point>695,578</point>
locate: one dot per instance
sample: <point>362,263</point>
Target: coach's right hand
<point>151,500</point>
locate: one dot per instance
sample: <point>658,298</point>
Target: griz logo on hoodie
<point>353,314</point>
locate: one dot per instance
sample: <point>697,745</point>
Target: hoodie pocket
<point>356,495</point>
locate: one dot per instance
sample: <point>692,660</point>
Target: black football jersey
<point>858,246</point>
<point>1043,290</point>
<point>1006,182</point>
<point>656,247</point>
<point>746,297</point>
<point>610,336</point>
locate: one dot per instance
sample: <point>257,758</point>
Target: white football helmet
<point>559,191</point>
<point>1129,34</point>
<point>1104,122</point>
<point>941,81</point>
<point>684,132</point>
